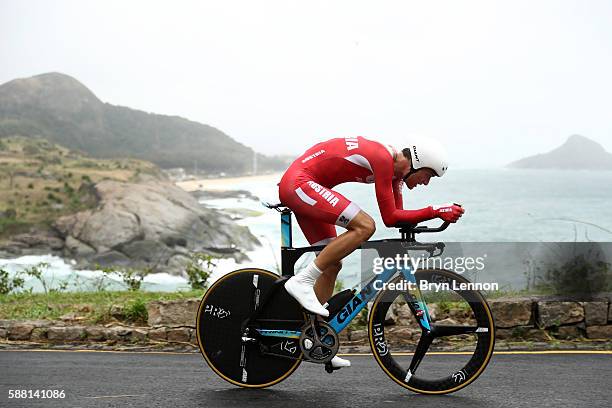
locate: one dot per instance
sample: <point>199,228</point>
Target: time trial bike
<point>253,334</point>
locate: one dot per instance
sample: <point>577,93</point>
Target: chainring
<point>319,348</point>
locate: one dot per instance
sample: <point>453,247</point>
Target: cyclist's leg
<point>327,206</point>
<point>320,233</point>
<point>359,229</point>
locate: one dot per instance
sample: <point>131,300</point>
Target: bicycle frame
<point>290,255</point>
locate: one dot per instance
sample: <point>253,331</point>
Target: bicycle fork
<point>418,307</point>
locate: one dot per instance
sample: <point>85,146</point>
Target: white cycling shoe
<point>338,362</point>
<point>304,293</point>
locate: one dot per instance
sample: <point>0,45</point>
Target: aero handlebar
<point>406,228</point>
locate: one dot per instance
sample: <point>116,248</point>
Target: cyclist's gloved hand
<point>448,212</point>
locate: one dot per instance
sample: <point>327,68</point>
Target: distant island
<point>60,109</point>
<point>577,153</point>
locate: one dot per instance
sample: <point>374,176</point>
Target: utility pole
<point>254,162</point>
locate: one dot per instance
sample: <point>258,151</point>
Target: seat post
<point>286,233</point>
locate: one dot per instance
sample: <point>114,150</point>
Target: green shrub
<point>68,188</point>
<point>54,198</point>
<point>136,311</point>
<point>31,150</point>
<point>132,278</point>
<point>7,285</point>
<point>580,275</point>
<point>199,270</point>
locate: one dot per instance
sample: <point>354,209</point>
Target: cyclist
<point>306,188</point>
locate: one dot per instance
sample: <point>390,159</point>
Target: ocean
<point>502,206</point>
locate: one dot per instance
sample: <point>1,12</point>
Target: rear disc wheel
<point>222,311</point>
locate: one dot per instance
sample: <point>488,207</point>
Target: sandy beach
<point>226,183</point>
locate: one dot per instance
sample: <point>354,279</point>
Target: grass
<point>90,307</point>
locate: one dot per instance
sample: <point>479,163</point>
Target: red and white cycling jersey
<point>306,186</point>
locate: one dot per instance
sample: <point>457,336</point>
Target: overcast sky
<point>493,80</point>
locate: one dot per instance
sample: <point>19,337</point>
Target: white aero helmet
<point>428,153</point>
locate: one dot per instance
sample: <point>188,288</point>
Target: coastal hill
<point>60,109</point>
<point>119,212</point>
<point>578,152</point>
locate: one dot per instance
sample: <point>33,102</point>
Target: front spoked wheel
<point>448,357</point>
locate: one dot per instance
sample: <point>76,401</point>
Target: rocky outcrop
<point>38,241</point>
<point>152,224</point>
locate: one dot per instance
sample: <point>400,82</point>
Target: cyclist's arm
<point>386,197</point>
<point>397,194</point>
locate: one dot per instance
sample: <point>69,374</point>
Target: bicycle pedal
<point>330,368</point>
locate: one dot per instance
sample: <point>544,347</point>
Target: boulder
<point>77,248</point>
<point>595,313</point>
<point>358,335</point>
<point>149,223</point>
<point>42,239</point>
<point>503,334</point>
<point>66,333</point>
<point>97,234</point>
<point>3,333</point>
<point>118,333</point>
<point>111,258</point>
<point>599,332</point>
<point>568,332</point>
<point>511,312</point>
<point>20,331</point>
<point>95,333</point>
<point>138,335</point>
<point>178,262</point>
<point>402,335</point>
<point>554,313</point>
<point>37,241</point>
<point>180,334</point>
<point>158,334</point>
<point>403,314</point>
<point>173,312</point>
<point>146,251</point>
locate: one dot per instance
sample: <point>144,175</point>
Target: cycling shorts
<point>317,209</point>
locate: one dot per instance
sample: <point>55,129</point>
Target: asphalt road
<point>94,379</point>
